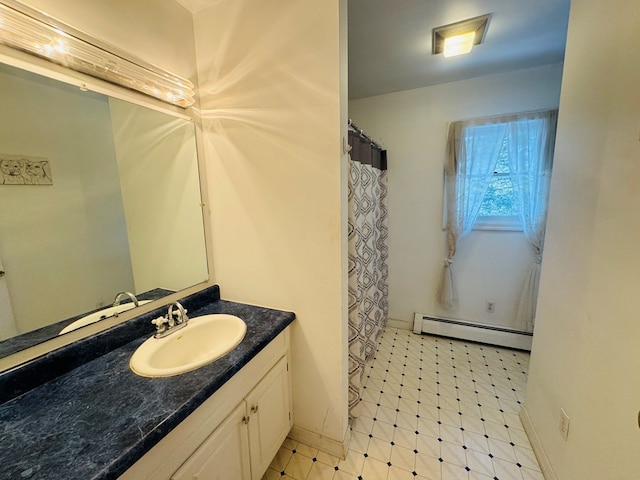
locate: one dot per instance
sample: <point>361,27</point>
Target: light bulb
<point>459,44</point>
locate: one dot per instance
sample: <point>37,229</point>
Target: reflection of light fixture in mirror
<point>34,32</point>
<point>459,38</point>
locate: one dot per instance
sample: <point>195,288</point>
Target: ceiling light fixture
<point>460,37</point>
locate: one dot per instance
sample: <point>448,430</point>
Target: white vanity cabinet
<point>223,455</point>
<point>236,433</point>
<point>269,417</point>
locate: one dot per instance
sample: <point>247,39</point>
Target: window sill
<point>502,224</point>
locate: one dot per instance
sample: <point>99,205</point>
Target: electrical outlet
<point>564,424</point>
<point>491,306</point>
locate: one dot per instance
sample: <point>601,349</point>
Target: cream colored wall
<point>270,82</point>
<point>158,171</point>
<point>412,125</point>
<point>585,351</point>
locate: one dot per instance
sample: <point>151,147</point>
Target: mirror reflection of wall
<point>160,188</point>
<point>123,212</point>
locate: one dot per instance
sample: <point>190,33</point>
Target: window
<point>493,164</point>
<point>498,169</point>
<point>499,209</point>
<point>500,201</point>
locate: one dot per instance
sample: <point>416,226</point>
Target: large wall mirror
<point>97,196</point>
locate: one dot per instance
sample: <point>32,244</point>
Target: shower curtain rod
<point>360,132</point>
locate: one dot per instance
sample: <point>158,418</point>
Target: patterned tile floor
<point>433,408</point>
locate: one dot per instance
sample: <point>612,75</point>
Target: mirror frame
<point>40,66</point>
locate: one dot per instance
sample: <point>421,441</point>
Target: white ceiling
<point>390,41</point>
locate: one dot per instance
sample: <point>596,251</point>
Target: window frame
<point>503,223</point>
<point>507,223</point>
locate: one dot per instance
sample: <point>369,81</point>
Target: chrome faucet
<point>174,320</point>
<point>119,297</point>
<point>130,295</point>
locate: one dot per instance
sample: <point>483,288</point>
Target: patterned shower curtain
<point>368,251</point>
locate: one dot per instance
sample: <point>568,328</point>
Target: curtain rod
<point>360,132</point>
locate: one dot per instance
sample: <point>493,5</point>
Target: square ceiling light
<point>460,37</point>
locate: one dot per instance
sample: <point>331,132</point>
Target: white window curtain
<point>530,144</point>
<point>472,154</point>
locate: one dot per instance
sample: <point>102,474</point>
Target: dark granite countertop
<point>96,420</point>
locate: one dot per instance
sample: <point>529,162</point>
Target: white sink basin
<point>202,341</point>
<point>100,315</point>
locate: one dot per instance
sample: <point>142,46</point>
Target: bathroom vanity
<point>126,211</point>
<point>88,416</point>
<point>235,433</point>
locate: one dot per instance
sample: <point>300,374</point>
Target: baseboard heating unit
<point>477,332</point>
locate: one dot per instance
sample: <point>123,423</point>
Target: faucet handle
<point>160,324</point>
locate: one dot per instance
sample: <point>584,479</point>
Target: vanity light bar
<point>24,32</point>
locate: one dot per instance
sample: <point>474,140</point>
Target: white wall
<point>412,126</point>
<point>158,171</point>
<point>67,240</point>
<point>270,82</point>
<point>585,351</point>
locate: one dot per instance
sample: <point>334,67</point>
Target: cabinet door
<point>270,418</point>
<point>223,455</point>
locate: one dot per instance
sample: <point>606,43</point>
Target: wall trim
<point>328,445</point>
<point>536,444</point>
